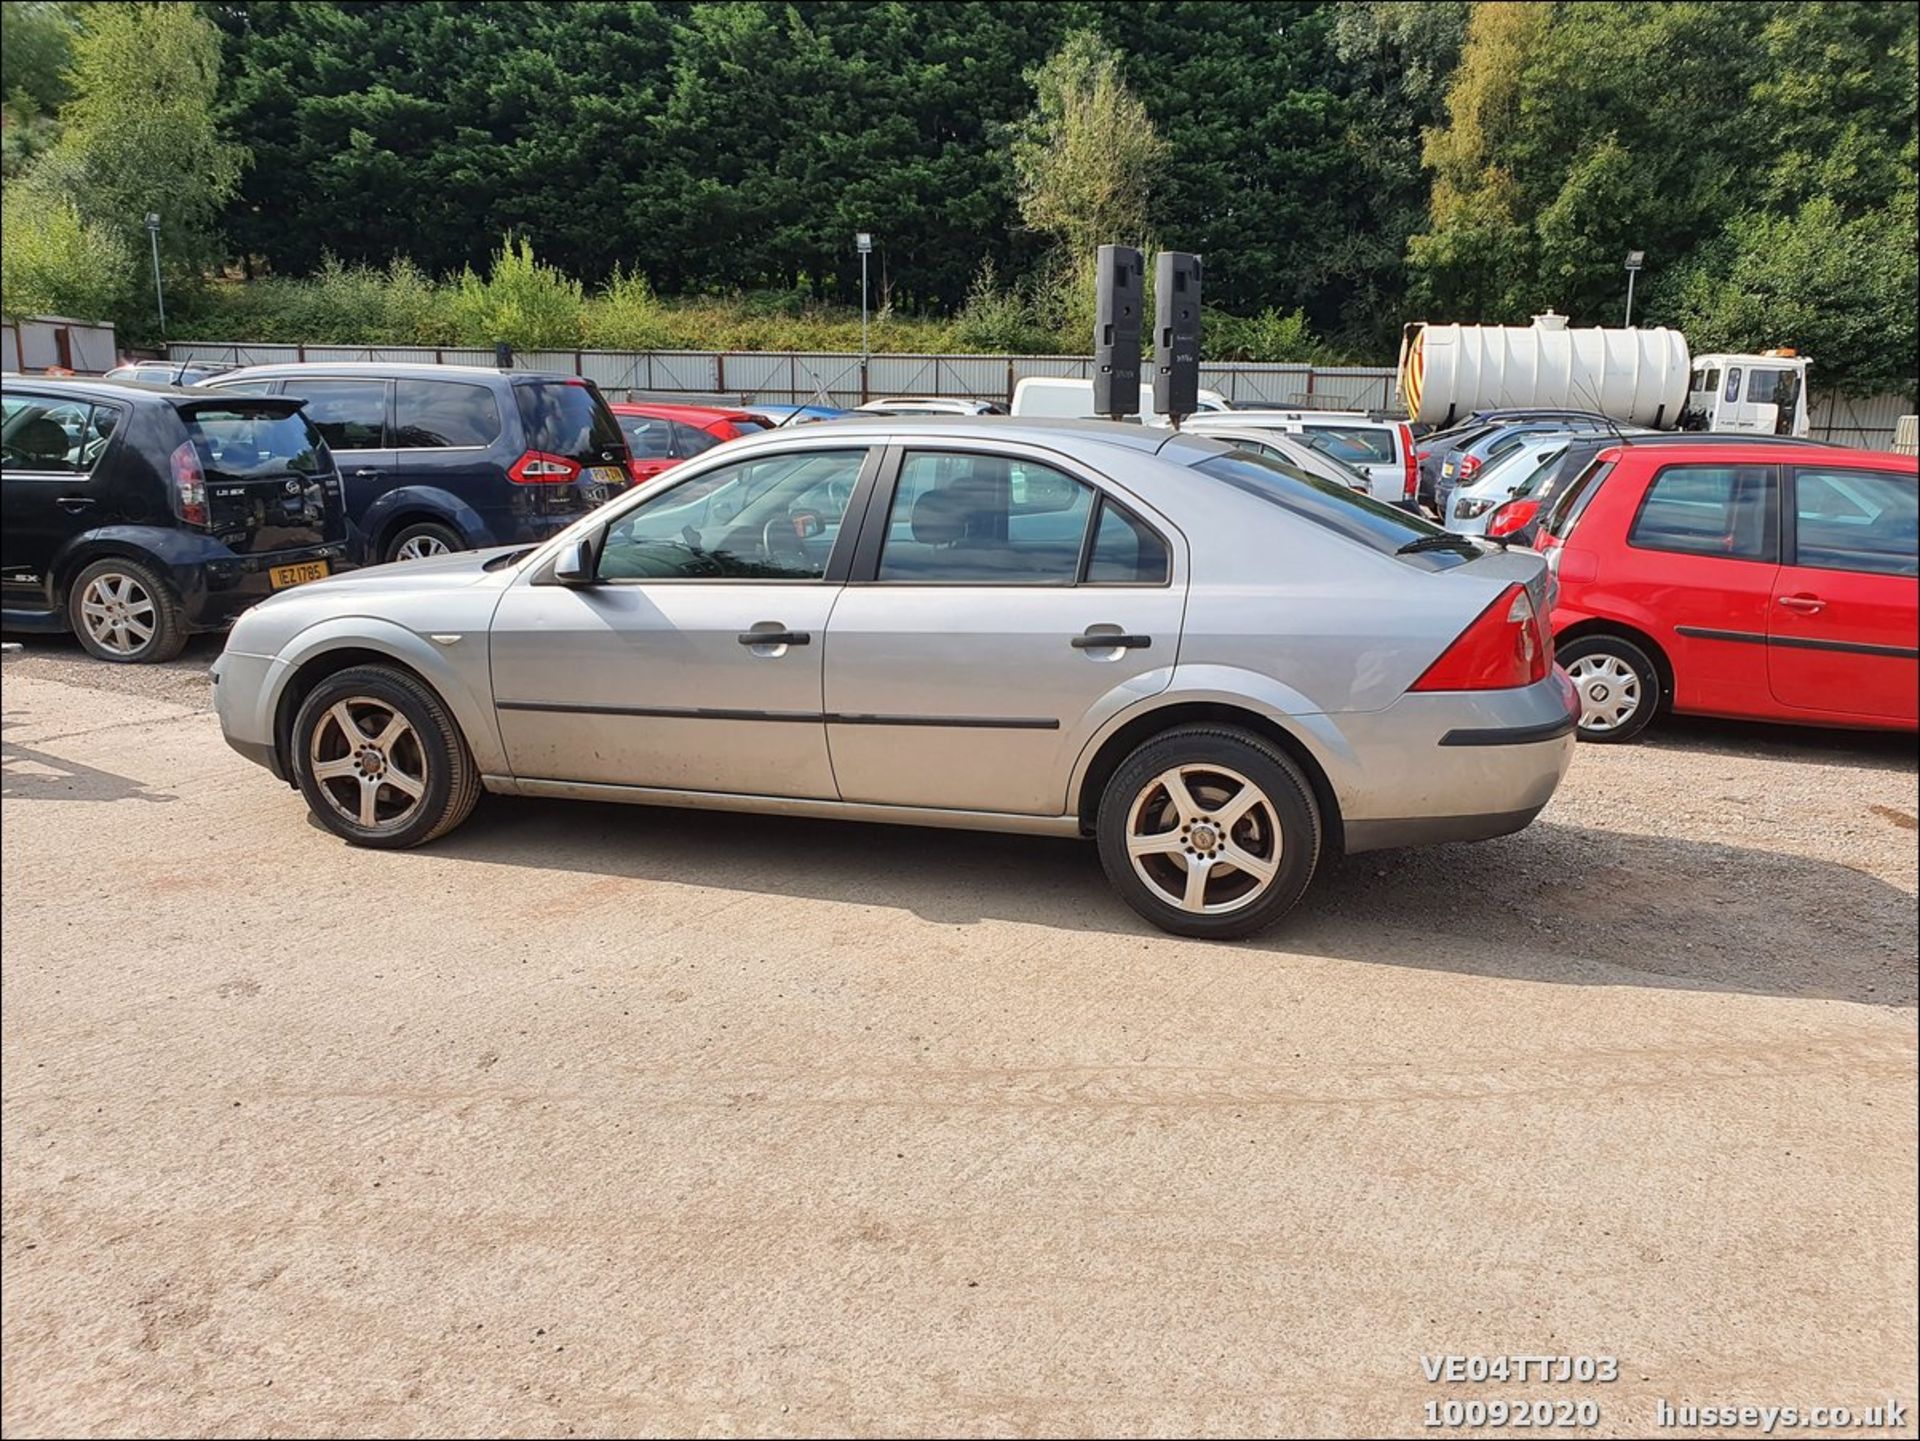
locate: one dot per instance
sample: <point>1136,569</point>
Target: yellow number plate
<point>607,474</point>
<point>283,576</point>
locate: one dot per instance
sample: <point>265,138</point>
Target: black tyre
<point>380,760</point>
<point>124,612</point>
<point>423,540</point>
<point>1619,686</point>
<point>1209,831</point>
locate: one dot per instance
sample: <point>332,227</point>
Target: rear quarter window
<point>444,414</point>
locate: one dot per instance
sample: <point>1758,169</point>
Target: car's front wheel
<point>1209,831</point>
<point>380,761</point>
<point>1618,685</point>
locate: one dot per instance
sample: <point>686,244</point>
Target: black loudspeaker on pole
<point>1118,295</point>
<point>1176,334</point>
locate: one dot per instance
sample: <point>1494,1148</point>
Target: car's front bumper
<point>241,684</point>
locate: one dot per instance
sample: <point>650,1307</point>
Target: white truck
<point>1639,377</point>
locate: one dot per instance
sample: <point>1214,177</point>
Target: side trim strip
<point>1510,735</point>
<point>1005,723</point>
<point>1800,642</point>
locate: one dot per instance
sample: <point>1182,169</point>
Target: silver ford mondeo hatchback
<point>1219,667</point>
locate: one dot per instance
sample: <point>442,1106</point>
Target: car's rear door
<point>269,482</point>
<point>55,483</point>
<point>1003,604</point>
<point>693,662</point>
<point>1841,632</point>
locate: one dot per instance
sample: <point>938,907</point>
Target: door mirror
<point>575,566</point>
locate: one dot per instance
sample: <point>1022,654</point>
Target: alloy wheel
<point>1609,691</point>
<point>118,613</point>
<point>419,547</point>
<point>1204,839</point>
<point>366,759</point>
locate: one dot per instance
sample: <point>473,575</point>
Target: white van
<point>1380,449</point>
<point>1058,397</point>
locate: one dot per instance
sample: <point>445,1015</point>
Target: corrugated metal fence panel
<point>233,353</point>
<point>1068,367</point>
<point>9,347</point>
<point>1868,422</point>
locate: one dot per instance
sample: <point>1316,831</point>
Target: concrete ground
<point>598,1120</point>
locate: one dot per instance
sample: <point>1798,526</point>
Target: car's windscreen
<point>239,443</point>
<point>1368,444</point>
<point>568,418</point>
<point>1339,508</point>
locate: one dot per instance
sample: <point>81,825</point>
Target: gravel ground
<point>602,1120</point>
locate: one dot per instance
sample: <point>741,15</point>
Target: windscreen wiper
<point>1439,542</point>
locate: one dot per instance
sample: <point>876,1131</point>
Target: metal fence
<point>825,378</point>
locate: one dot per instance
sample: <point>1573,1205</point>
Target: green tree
<point>36,43</point>
<point>138,134</point>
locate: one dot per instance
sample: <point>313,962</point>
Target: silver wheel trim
<point>1204,839</point>
<point>367,760</point>
<point>119,614</point>
<point>1609,688</point>
<point>419,547</point>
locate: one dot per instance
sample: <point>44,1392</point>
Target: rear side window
<point>430,414</point>
<point>1371,445</point>
<point>568,419</point>
<point>1339,508</point>
<point>238,443</point>
<point>349,414</point>
<point>1720,510</point>
<point>691,439</point>
<point>1857,520</point>
<point>53,436</point>
<point>1125,551</point>
<point>1570,500</point>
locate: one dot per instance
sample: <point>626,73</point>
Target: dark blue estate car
<point>454,457</point>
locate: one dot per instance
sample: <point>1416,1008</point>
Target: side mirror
<point>575,566</point>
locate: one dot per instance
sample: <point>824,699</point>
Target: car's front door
<point>692,662</point>
<point>53,447</point>
<point>1840,636</point>
<point>1000,614</point>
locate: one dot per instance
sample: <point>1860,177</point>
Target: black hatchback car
<point>439,458</point>
<point>137,514</point>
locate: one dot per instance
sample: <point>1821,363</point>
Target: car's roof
<point>702,414</point>
<point>382,368</point>
<point>100,388</point>
<point>1067,436</point>
<point>1208,419</point>
<point>1723,444</point>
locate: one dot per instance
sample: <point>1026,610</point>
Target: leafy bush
<point>1268,336</point>
<point>996,320</point>
<point>529,305</point>
<point>626,315</point>
<point>53,263</point>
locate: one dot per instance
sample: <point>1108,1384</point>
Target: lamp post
<point>153,235</point>
<point>1635,258</point>
<point>863,242</point>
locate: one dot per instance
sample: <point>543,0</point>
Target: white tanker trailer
<point>1639,377</point>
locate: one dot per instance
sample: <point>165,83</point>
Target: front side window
<point>960,518</point>
<point>1719,510</point>
<point>1762,386</point>
<point>771,518</point>
<point>449,414</point>
<point>349,414</point>
<point>1857,520</point>
<point>54,436</point>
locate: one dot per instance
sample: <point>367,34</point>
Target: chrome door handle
<point>1806,604</point>
<point>774,637</point>
<point>75,503</point>
<point>365,473</point>
<point>1111,642</point>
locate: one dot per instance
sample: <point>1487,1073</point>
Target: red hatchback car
<point>1759,581</point>
<point>661,436</point>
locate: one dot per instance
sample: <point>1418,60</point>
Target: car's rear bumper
<point>214,591</point>
<point>1452,765</point>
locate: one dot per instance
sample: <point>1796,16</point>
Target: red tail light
<point>1514,515</point>
<point>1469,467</point>
<point>1413,463</point>
<point>538,468</point>
<point>189,485</point>
<point>1506,647</point>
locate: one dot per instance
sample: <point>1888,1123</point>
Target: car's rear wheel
<point>424,540</point>
<point>122,611</point>
<point>1209,831</point>
<point>380,760</point>
<point>1618,684</point>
